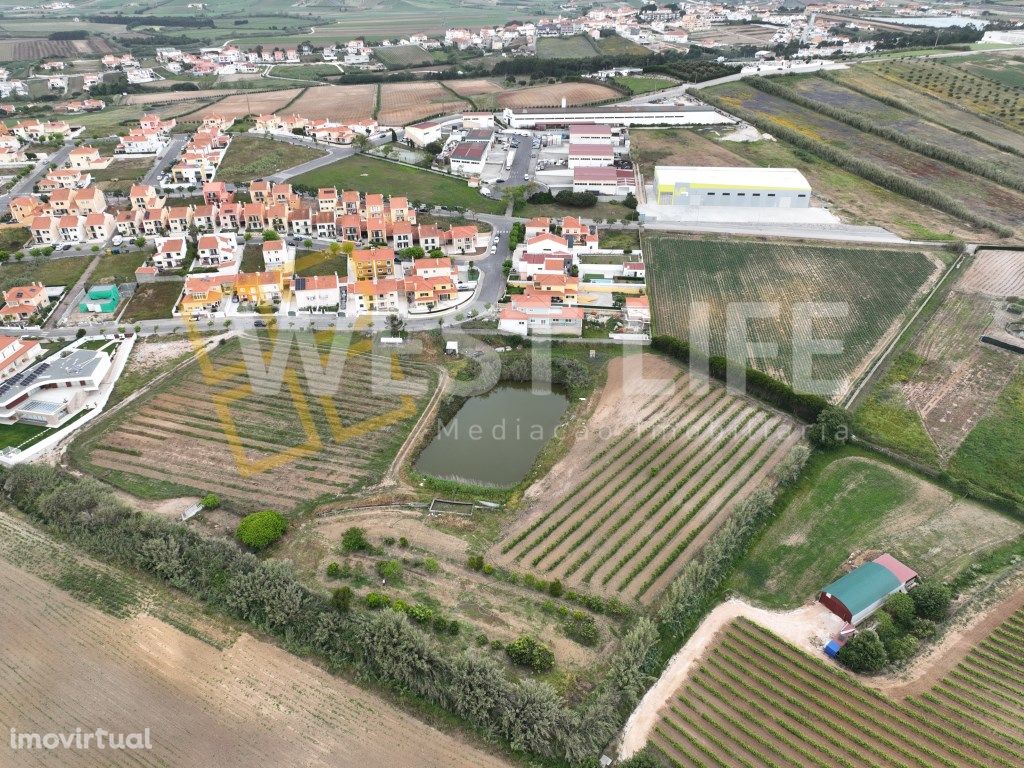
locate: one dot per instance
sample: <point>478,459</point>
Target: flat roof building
<point>619,115</point>
<point>731,186</point>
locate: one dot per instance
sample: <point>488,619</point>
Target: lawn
<point>850,503</point>
<point>152,301</point>
<point>575,47</point>
<point>117,267</point>
<point>367,174</point>
<point>990,456</point>
<point>16,434</point>
<point>253,157</point>
<point>639,85</point>
<point>47,270</point>
<point>252,257</point>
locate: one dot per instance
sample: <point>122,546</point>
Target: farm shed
<point>857,595</point>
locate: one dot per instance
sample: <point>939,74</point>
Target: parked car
<point>259,324</point>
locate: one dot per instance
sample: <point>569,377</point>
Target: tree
<point>211,501</point>
<point>864,653</point>
<point>900,607</point>
<point>832,427</point>
<point>269,234</point>
<point>396,325</point>
<point>931,600</point>
<point>354,540</point>
<point>527,652</point>
<point>261,529</point>
<point>361,142</point>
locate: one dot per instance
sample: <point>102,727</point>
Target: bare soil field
<point>475,87</point>
<point>29,49</point>
<point>996,273</point>
<point>575,94</point>
<point>355,102</point>
<point>633,501</point>
<point>242,104</point>
<point>68,665</point>
<point>404,103</point>
<point>208,428</point>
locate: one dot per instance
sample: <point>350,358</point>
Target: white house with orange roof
<point>219,250</point>
<point>382,295</point>
<point>99,227</point>
<point>537,314</point>
<point>636,315</point>
<point>87,159</point>
<point>16,354</point>
<point>22,302</point>
<point>537,226</point>
<point>171,253</point>
<point>317,293</point>
<point>277,254</point>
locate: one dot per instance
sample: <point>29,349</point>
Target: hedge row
<point>869,171</point>
<point>777,393</point>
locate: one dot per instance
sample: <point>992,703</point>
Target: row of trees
<point>384,646</point>
<point>887,179</point>
<point>975,165</point>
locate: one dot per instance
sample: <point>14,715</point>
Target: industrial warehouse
<point>725,186</point>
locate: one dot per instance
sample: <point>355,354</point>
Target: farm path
<point>393,477</point>
<point>807,627</point>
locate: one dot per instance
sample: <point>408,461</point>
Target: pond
<point>494,438</point>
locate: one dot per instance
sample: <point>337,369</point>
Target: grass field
<point>13,238</point>
<point>304,71</point>
<point>367,174</point>
<point>575,47</point>
<point>1007,69</point>
<point>47,270</point>
<point>641,503</point>
<point>117,267</point>
<point>849,504</point>
<point>639,85</point>
<point>253,157</point>
<point>321,263</point>
<point>755,700</point>
<point>152,301</point>
<point>613,45</point>
<point>121,174</point>
<point>15,434</point>
<point>616,239</point>
<point>876,286</point>
<point>852,198</point>
<point>976,195</point>
<point>212,431</point>
<point>402,56</point>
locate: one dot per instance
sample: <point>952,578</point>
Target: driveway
<point>166,159</point>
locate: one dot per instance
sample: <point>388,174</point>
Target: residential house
<point>317,293</point>
<point>373,263</point>
<point>260,287</point>
<point>16,354</point>
<point>277,254</point>
<point>22,302</point>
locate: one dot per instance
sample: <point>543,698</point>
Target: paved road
<point>670,94</point>
<point>25,185</point>
<point>167,158</point>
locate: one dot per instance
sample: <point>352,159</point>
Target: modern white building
<point>616,115</point>
<point>734,187</point>
<point>54,389</point>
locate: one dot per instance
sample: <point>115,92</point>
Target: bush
<point>390,570</point>
<point>902,648</point>
<point>377,600</point>
<point>555,588</point>
<point>931,600</point>
<point>261,529</point>
<point>864,653</point>
<point>475,562</point>
<point>341,599</point>
<point>527,652</point>
<point>354,540</point>
<point>900,607</point>
<point>430,565</point>
<point>211,501</point>
<point>334,570</point>
<point>582,628</point>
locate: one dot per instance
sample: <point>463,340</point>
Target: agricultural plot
<point>242,104</point>
<point>875,287</point>
<point>946,381</point>
<point>757,700</point>
<point>978,95</point>
<point>169,97</point>
<point>474,87</point>
<point>249,703</point>
<point>978,196</point>
<point>32,48</point>
<point>575,94</point>
<point>867,80</point>
<point>1007,69</point>
<point>356,102</point>
<point>404,103</point>
<point>614,45</point>
<point>847,508</point>
<point>402,56</point>
<point>211,428</point>
<point>251,157</point>
<point>648,84</point>
<point>743,34</point>
<point>834,95</point>
<point>620,515</point>
<point>575,47</point>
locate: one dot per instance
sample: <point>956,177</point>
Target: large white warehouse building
<point>727,186</point>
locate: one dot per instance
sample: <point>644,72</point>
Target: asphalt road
<point>167,158</point>
<point>25,185</point>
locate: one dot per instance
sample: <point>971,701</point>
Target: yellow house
<point>259,287</point>
<point>373,263</point>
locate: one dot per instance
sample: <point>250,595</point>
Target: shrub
<point>582,628</point>
<point>475,562</point>
<point>403,542</point>
<point>210,501</point>
<point>430,565</point>
<point>864,653</point>
<point>902,648</point>
<point>334,570</point>
<point>527,652</point>
<point>261,529</point>
<point>377,600</point>
<point>390,570</point>
<point>555,588</point>
<point>931,600</point>
<point>341,599</point>
<point>354,540</point>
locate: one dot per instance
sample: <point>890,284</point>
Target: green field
<point>12,435</point>
<point>321,263</point>
<point>304,71</point>
<point>13,238</point>
<point>850,503</point>
<point>253,157</point>
<point>638,85</point>
<point>989,457</point>
<point>152,301</point>
<point>876,287</point>
<point>401,56</point>
<point>613,45</point>
<point>619,239</point>
<point>575,47</point>
<point>367,174</point>
<point>755,700</point>
<point>46,270</point>
<point>117,267</point>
